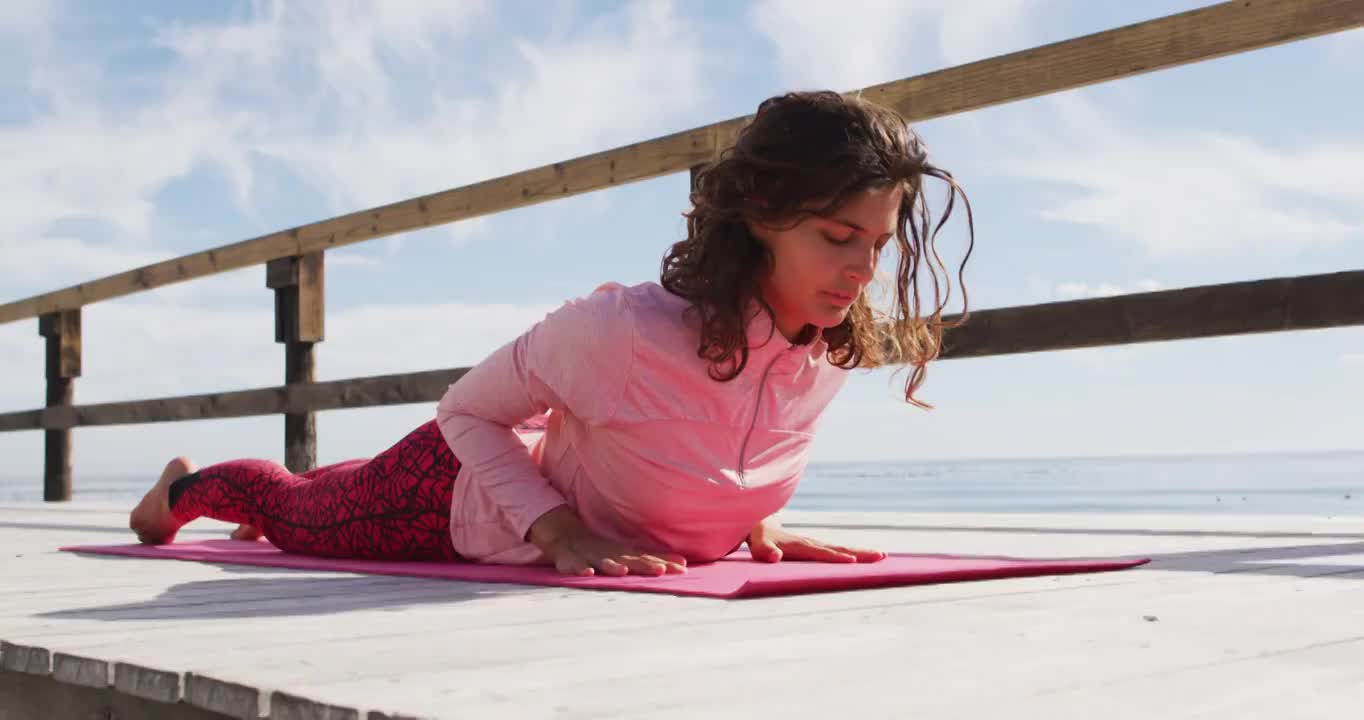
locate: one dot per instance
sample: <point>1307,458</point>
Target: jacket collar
<point>764,340</point>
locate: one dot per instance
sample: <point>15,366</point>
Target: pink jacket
<point>639,440</point>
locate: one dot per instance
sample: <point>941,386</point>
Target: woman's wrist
<point>550,528</point>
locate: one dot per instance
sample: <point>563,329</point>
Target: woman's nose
<point>861,268</point>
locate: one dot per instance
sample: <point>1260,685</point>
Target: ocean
<point>1315,483</point>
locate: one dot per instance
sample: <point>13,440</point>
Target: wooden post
<point>63,332</point>
<point>299,318</point>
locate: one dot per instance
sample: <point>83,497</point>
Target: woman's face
<point>822,265</point>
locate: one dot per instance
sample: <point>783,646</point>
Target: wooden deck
<point>1237,617</point>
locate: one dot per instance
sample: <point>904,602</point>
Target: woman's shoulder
<point>651,313</point>
<point>647,299</point>
<point>649,291</point>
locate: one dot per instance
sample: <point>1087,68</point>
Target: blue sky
<point>154,129</point>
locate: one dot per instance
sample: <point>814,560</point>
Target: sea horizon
<point>1327,481</point>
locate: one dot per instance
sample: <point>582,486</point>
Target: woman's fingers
<point>568,564</point>
<point>612,567</point>
<point>588,555</point>
<point>674,559</point>
<point>652,565</point>
<point>819,553</point>
<point>862,554</point>
<point>673,563</point>
<point>633,565</point>
<point>618,565</point>
<point>811,550</point>
<point>597,556</point>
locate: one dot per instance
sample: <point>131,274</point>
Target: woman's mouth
<point>839,299</point>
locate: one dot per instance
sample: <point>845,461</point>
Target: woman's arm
<point>575,360</point>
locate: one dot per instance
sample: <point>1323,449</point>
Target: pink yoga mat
<point>736,576</point>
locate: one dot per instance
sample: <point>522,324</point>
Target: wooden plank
<point>1324,681</point>
<point>231,699</point>
<point>285,308</point>
<point>229,634</point>
<point>195,597</point>
<point>298,284</point>
<point>242,403</point>
<point>83,671</point>
<point>146,682</point>
<point>1281,304</point>
<point>300,428</point>
<point>1297,303</point>
<point>22,420</point>
<point>926,677</point>
<point>398,389</point>
<point>31,659</point>
<point>30,697</point>
<point>57,444</point>
<point>1197,35</point>
<point>310,321</point>
<point>286,706</point>
<point>667,626</point>
<point>281,273</point>
<point>62,331</point>
<point>541,652</point>
<point>1205,33</point>
<point>934,643</point>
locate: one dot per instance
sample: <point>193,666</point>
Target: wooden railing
<point>294,258</point>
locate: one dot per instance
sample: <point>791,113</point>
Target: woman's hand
<point>769,542</point>
<point>576,550</point>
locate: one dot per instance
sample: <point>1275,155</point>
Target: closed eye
<point>848,240</point>
<point>843,242</point>
<point>838,241</point>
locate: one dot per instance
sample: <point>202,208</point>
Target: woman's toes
<point>151,519</point>
<point>178,467</point>
<point>246,532</point>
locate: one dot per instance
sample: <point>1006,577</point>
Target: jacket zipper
<point>757,403</point>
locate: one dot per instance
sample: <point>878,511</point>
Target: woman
<point>677,416</point>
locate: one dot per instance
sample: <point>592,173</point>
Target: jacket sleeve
<point>575,361</point>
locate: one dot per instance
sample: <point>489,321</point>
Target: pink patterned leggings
<point>395,506</point>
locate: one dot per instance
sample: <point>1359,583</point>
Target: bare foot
<point>246,532</point>
<point>151,519</point>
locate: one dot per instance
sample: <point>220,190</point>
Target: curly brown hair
<point>807,153</point>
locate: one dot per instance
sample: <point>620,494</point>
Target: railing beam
<point>1310,302</point>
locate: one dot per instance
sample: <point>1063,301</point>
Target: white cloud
<point>558,110</point>
<point>822,44</point>
<point>1180,192</point>
<point>970,31</point>
<point>1076,290</point>
<point>365,103</point>
<point>1352,359</point>
<point>846,45</point>
<point>26,20</point>
<point>165,348</point>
